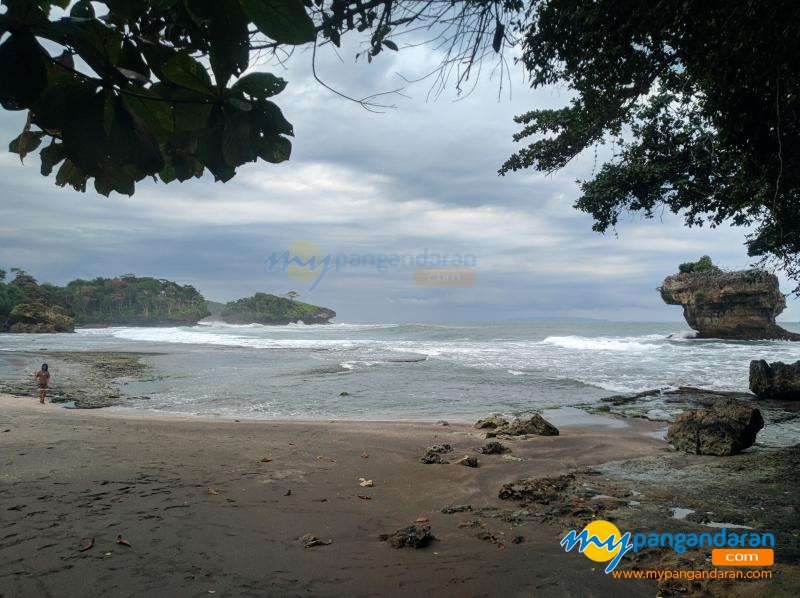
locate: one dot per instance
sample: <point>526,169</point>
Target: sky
<point>420,175</point>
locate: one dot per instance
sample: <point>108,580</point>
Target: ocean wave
<point>582,343</point>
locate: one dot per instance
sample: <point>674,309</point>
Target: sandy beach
<point>72,475</point>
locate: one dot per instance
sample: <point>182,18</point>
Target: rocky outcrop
<point>729,305</point>
<point>535,425</point>
<point>776,380</point>
<point>39,317</point>
<point>727,427</point>
<point>497,426</point>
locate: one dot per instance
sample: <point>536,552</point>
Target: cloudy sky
<point>421,175</point>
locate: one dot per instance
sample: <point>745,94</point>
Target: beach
<point>72,475</point>
<point>228,504</point>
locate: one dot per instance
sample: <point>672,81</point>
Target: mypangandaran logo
<point>601,541</point>
<point>304,261</point>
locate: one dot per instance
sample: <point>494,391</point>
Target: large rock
<point>776,380</point>
<point>727,427</point>
<point>536,424</point>
<point>731,305</point>
<point>39,317</point>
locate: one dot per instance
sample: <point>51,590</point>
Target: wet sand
<point>67,476</point>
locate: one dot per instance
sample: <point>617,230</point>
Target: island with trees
<point>29,306</point>
<point>263,308</point>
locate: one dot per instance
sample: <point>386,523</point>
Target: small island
<point>738,305</point>
<point>263,308</point>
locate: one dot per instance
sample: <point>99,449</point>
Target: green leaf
<point>97,44</point>
<point>285,21</point>
<point>236,146</point>
<point>131,60</point>
<point>184,71</point>
<point>390,44</point>
<point>259,85</point>
<point>230,39</point>
<point>23,72</point>
<point>272,119</point>
<point>275,149</point>
<point>151,108</point>
<point>82,10</point>
<point>71,175</point>
<point>51,155</point>
<point>27,142</point>
<point>54,107</point>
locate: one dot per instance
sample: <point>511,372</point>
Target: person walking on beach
<point>43,379</point>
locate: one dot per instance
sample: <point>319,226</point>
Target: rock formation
<point>730,305</point>
<point>39,317</point>
<point>727,427</point>
<point>499,426</point>
<point>776,380</point>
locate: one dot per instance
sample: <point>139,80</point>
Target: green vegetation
<point>263,308</point>
<point>704,264</point>
<point>27,306</point>
<point>123,301</point>
<point>128,300</point>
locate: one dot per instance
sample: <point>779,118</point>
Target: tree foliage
<point>130,300</point>
<point>699,102</point>
<point>128,93</point>
<point>125,300</point>
<point>120,90</point>
<point>704,264</point>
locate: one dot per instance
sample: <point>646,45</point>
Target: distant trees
<point>126,300</point>
<point>292,295</point>
<point>131,300</point>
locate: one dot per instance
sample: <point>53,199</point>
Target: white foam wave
<point>582,343</point>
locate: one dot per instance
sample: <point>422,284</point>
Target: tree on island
<point>697,103</point>
<point>292,295</point>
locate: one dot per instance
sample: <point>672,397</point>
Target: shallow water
<point>412,371</point>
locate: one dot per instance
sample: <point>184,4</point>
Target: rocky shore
<point>84,380</point>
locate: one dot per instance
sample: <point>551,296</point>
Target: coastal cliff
<point>730,305</point>
<point>263,308</point>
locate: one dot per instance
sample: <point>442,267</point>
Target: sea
<point>409,371</point>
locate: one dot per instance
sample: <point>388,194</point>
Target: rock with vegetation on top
<point>727,427</point>
<point>728,305</point>
<point>263,308</point>
<point>776,380</point>
<point>39,317</point>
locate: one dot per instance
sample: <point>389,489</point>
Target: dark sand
<point>70,475</point>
